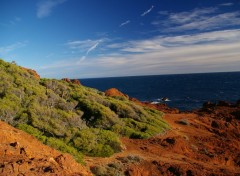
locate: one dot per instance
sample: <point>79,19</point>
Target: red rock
<point>67,80</point>
<point>76,81</point>
<point>113,92</point>
<point>32,72</point>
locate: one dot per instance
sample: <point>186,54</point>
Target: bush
<point>31,130</point>
<point>52,142</point>
<point>95,142</point>
<point>60,145</point>
<point>70,117</point>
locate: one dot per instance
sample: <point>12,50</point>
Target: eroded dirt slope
<point>21,154</point>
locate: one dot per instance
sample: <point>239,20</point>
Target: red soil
<point>205,142</point>
<point>22,154</point>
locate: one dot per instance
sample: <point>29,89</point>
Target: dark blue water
<point>185,91</point>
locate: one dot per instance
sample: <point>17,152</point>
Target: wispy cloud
<point>10,48</point>
<point>124,23</point>
<point>13,21</point>
<point>163,13</point>
<point>147,11</point>
<point>83,47</point>
<point>49,55</point>
<point>227,4</point>
<point>194,15</point>
<point>93,47</point>
<point>44,9</point>
<point>204,19</point>
<point>163,42</point>
<point>204,52</point>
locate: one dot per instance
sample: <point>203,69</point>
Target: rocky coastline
<point>200,142</point>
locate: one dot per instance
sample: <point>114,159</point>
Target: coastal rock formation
<point>22,154</point>
<point>113,92</point>
<point>32,72</point>
<point>74,81</point>
<point>66,79</point>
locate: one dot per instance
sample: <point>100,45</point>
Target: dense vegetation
<point>71,117</point>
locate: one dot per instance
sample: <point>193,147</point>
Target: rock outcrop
<point>74,81</point>
<point>113,92</point>
<point>32,72</point>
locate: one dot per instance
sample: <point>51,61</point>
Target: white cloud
<point>204,19</point>
<point>93,47</point>
<point>81,60</point>
<point>196,14</point>
<point>44,9</point>
<point>204,52</point>
<point>124,23</point>
<point>81,45</point>
<point>147,11</point>
<point>162,42</point>
<point>10,48</point>
<point>84,45</point>
<point>15,20</point>
<point>227,4</point>
<point>163,13</point>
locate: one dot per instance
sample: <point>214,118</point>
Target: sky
<point>110,38</point>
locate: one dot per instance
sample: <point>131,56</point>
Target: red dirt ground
<point>205,142</point>
<point>23,155</point>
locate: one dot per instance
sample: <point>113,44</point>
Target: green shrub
<point>95,142</point>
<point>60,145</point>
<point>70,117</point>
<point>31,130</point>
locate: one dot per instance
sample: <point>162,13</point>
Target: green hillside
<point>70,117</point>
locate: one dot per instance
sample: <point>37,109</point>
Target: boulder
<point>32,72</point>
<point>113,92</point>
<point>67,80</point>
<point>76,81</point>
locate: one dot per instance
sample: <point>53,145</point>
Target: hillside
<point>200,143</point>
<point>22,154</point>
<point>109,132</point>
<point>70,117</point>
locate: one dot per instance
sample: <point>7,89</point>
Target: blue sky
<point>108,38</point>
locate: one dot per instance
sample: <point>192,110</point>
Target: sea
<point>183,91</point>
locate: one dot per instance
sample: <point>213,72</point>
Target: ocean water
<point>184,91</point>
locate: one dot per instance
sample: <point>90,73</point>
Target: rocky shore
<point>201,142</point>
